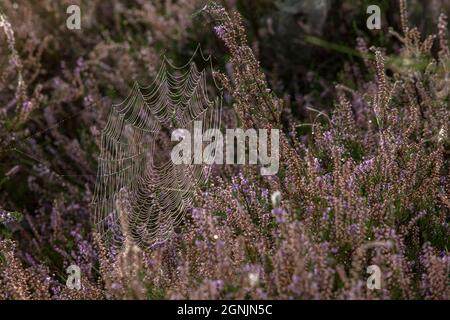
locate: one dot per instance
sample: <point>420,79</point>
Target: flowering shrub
<point>361,183</point>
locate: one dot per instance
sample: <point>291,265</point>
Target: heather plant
<point>362,182</point>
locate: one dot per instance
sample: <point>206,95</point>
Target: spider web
<point>159,194</point>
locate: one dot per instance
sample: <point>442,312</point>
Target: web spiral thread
<point>158,195</point>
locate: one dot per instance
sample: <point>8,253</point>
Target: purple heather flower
<point>220,32</point>
<point>216,285</point>
<point>116,286</point>
<point>80,62</point>
<point>280,215</point>
<point>365,166</point>
<point>354,228</point>
<point>197,214</point>
<point>262,294</point>
<point>198,243</point>
<point>326,214</point>
<point>88,100</point>
<point>56,290</point>
<point>27,106</point>
<point>328,137</point>
<point>85,249</point>
<point>29,259</point>
<point>265,194</point>
<point>295,285</point>
<point>316,164</point>
<point>243,180</point>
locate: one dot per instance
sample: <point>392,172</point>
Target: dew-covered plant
<point>362,182</point>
